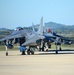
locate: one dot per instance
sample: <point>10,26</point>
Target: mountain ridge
<point>51,25</point>
<point>66,30</point>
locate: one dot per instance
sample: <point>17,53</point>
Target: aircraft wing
<point>17,34</point>
<point>61,37</point>
<point>10,37</point>
<point>33,39</point>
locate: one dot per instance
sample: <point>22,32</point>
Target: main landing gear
<point>30,51</point>
<point>23,53</point>
<point>58,44</point>
<point>6,53</point>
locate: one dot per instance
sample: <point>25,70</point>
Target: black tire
<point>46,50</point>
<point>6,53</point>
<point>32,52</point>
<point>28,52</point>
<point>39,49</point>
<point>23,53</point>
<point>60,49</point>
<point>42,48</point>
<point>56,52</point>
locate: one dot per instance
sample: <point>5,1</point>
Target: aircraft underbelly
<point>34,44</point>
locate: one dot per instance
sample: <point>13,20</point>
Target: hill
<point>54,25</point>
<point>66,30</point>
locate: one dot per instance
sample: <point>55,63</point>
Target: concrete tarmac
<point>38,64</point>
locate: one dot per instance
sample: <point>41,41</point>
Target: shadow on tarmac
<point>49,52</point>
<point>53,52</point>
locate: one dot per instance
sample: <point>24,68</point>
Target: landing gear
<point>6,53</point>
<point>23,53</point>
<point>60,49</point>
<point>43,48</point>
<point>56,51</point>
<point>58,44</point>
<point>30,51</point>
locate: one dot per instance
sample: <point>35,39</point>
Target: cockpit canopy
<point>19,28</point>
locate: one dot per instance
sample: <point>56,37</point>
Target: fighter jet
<point>25,38</point>
<point>48,37</point>
<point>31,39</point>
<point>20,35</point>
<point>57,39</point>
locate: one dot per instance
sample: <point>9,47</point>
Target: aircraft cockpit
<point>18,28</point>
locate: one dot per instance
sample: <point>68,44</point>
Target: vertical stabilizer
<point>40,31</point>
<point>33,27</point>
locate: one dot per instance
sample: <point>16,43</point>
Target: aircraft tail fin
<point>33,27</point>
<point>40,31</point>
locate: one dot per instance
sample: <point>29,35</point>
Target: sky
<point>15,13</point>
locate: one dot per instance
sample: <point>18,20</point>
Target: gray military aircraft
<point>24,37</point>
<point>20,35</point>
<point>31,39</point>
<point>47,37</point>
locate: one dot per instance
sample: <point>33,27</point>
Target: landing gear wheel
<point>32,52</point>
<point>6,53</point>
<point>60,49</point>
<point>28,52</point>
<point>23,53</point>
<point>46,50</point>
<point>42,48</point>
<point>56,52</point>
